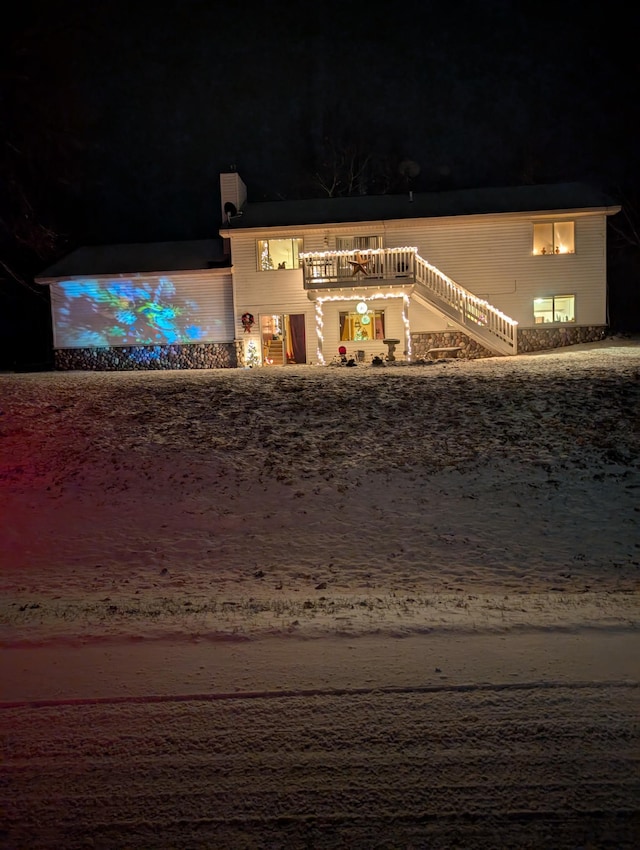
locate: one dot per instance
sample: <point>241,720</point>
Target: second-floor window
<point>360,245</point>
<point>357,243</point>
<point>554,237</point>
<point>278,254</point>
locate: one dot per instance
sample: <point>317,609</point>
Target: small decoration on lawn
<point>252,357</point>
<point>248,322</point>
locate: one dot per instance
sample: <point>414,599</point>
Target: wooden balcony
<point>375,267</point>
<point>404,267</point>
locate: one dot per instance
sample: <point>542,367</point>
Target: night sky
<point>117,118</point>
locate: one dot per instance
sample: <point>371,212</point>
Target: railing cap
<point>304,255</point>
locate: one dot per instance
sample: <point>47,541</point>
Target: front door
<point>283,339</point>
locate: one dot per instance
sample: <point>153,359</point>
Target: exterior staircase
<point>470,314</point>
<point>404,267</point>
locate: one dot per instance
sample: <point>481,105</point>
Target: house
<point>484,272</point>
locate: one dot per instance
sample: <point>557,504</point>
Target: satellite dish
<point>408,168</point>
<point>230,209</point>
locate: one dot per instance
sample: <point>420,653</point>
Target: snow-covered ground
<point>317,531</point>
<point>310,501</point>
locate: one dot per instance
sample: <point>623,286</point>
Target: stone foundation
<point>231,355</point>
<point>147,357</point>
<point>529,339</point>
<point>541,339</point>
<point>471,350</point>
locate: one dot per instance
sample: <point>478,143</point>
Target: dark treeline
<point>117,119</point>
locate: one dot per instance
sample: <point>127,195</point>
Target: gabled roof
<point>511,199</point>
<point>139,257</point>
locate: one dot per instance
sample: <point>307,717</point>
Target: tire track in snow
<point>526,765</point>
<point>309,692</point>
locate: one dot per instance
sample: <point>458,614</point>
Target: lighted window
<point>554,237</point>
<point>557,308</point>
<point>278,254</point>
<point>359,327</point>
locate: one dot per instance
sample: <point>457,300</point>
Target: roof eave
<point>257,230</point>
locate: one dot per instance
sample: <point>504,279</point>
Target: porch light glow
<point>374,297</point>
<point>362,308</point>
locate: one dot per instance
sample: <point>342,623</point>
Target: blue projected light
<point>89,313</point>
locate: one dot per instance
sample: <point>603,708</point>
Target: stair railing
<point>466,308</point>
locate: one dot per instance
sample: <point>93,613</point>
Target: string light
<point>470,307</point>
<point>251,356</point>
<point>464,294</point>
<point>374,297</point>
<point>321,255</point>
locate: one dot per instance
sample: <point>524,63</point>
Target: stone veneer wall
<point>529,339</point>
<point>147,357</point>
<point>231,355</point>
<point>471,350</point>
<point>540,339</point>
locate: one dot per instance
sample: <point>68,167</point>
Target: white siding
<point>232,190</point>
<point>423,319</point>
<point>393,327</point>
<point>276,292</point>
<point>141,309</point>
<point>490,256</point>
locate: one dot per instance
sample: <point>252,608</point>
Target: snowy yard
<point>317,553</point>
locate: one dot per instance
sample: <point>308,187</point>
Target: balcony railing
<point>405,267</point>
<point>330,269</point>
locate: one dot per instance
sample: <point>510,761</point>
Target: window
<point>554,237</point>
<point>278,254</point>
<point>358,327</point>
<point>557,308</point>
<point>359,244</point>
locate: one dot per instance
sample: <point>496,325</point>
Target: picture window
<point>556,308</point>
<point>274,254</point>
<point>554,237</point>
<point>360,327</point>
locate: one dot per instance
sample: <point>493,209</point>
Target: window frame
<point>554,311</point>
<point>360,242</point>
<point>556,239</point>
<point>353,315</point>
<point>294,252</point>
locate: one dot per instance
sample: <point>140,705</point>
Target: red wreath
<point>247,322</point>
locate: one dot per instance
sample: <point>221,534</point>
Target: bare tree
<point>343,169</point>
<point>626,225</point>
<point>37,154</point>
